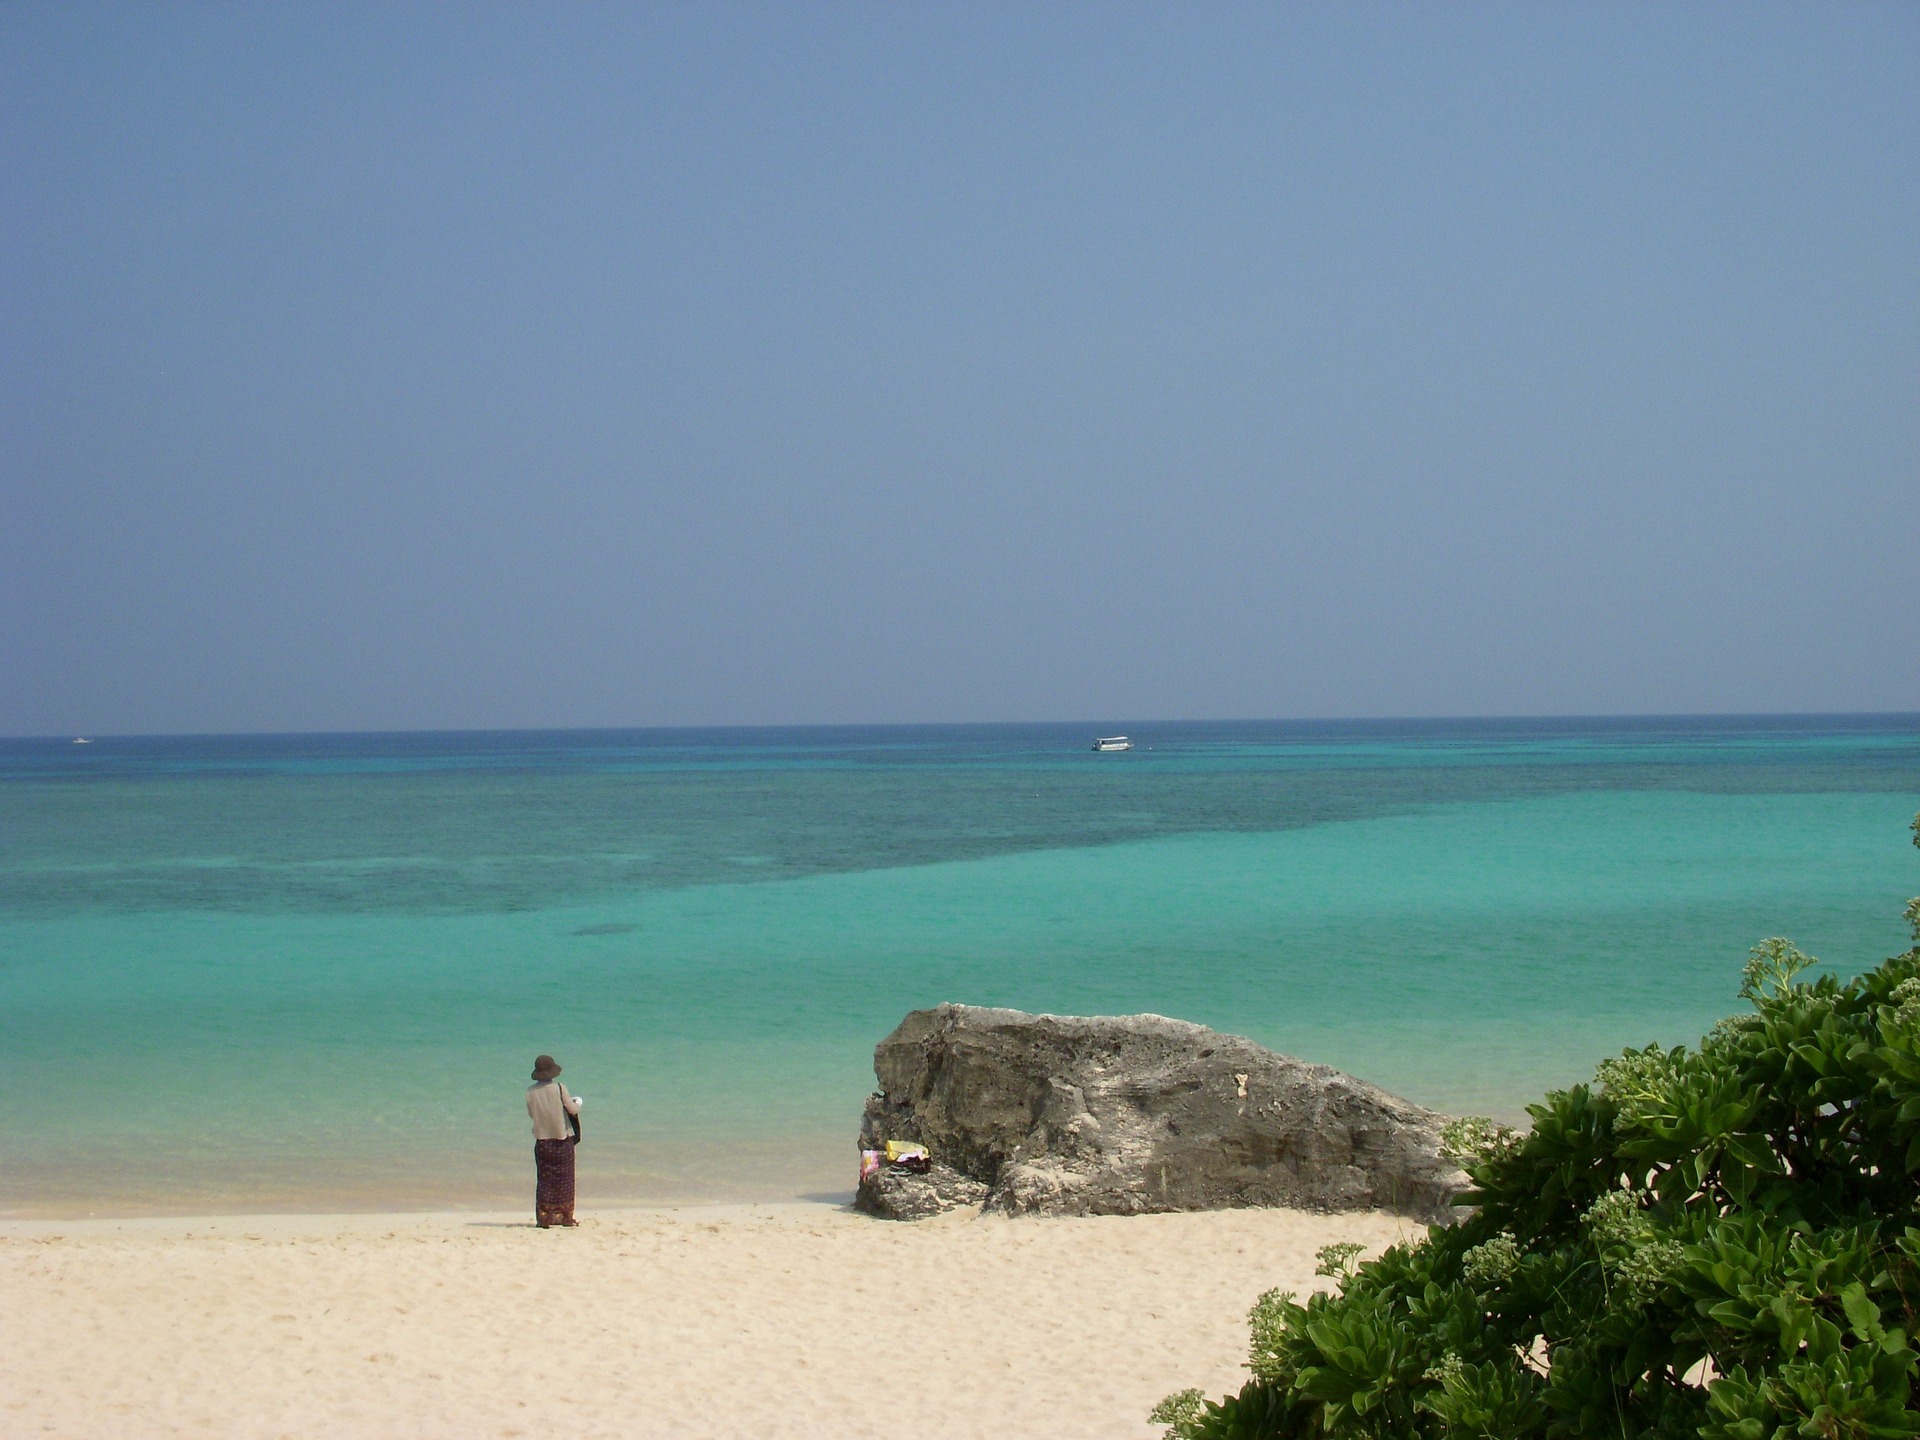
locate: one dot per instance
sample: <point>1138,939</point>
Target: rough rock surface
<point>897,1194</point>
<point>1121,1115</point>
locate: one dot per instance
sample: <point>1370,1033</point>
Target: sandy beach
<point>781,1320</point>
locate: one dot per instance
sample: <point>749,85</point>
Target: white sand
<point>770,1321</point>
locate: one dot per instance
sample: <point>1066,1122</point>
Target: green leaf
<point>1862,1314</point>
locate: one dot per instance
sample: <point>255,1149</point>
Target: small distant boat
<point>81,740</point>
<point>1113,742</point>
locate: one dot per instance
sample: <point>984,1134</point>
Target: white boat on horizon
<point>1113,742</point>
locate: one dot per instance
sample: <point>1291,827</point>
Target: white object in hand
<point>578,1101</point>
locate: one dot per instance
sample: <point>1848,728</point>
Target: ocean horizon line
<point>1622,717</point>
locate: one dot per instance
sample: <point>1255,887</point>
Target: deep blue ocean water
<point>311,971</point>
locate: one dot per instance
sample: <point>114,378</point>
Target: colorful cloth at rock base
<point>553,1187</point>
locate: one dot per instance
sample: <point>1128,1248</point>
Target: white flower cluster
<point>1475,1139</point>
<point>1493,1262</point>
<point>1639,1263</point>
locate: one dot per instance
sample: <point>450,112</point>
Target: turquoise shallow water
<point>310,973</point>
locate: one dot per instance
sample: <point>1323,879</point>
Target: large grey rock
<point>1122,1115</point>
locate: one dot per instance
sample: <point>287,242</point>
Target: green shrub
<point>1720,1242</point>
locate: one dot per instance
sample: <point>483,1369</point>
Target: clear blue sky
<point>383,366</point>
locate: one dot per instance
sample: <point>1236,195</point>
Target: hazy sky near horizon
<point>394,366</point>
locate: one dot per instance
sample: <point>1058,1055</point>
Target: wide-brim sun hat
<point>545,1067</point>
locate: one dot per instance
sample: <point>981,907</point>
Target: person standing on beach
<point>556,1130</point>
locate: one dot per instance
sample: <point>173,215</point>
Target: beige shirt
<point>549,1104</point>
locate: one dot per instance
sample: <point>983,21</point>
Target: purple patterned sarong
<point>553,1187</point>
